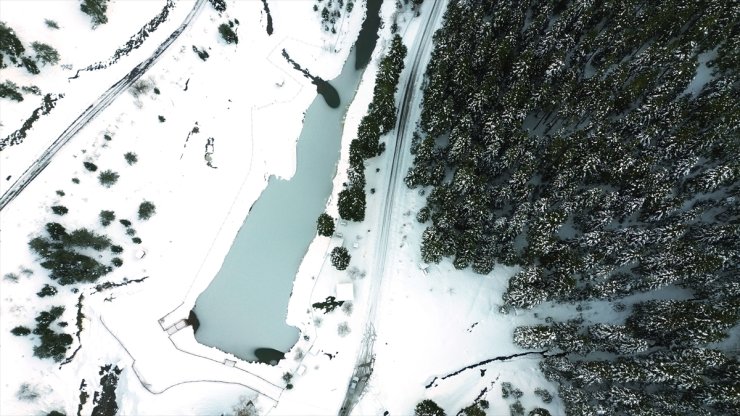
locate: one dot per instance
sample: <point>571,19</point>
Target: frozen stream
<point>245,306</point>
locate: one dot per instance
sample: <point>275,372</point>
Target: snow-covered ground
<point>250,101</point>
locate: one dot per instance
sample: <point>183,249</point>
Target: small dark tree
<point>117,261</point>
<point>96,10</point>
<point>325,225</point>
<point>47,290</point>
<point>125,223</point>
<point>106,217</point>
<point>340,258</point>
<point>20,331</point>
<point>30,65</point>
<point>45,54</point>
<point>10,46</point>
<point>351,204</point>
<point>59,209</point>
<point>428,408</point>
<point>136,240</point>
<point>90,166</point>
<point>116,249</point>
<point>227,33</point>
<point>86,239</point>
<point>146,210</point>
<point>108,178</point>
<point>219,5</point>
<point>56,230</point>
<point>9,89</point>
<point>131,158</point>
<point>51,24</point>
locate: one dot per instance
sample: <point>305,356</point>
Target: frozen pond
<point>245,306</point>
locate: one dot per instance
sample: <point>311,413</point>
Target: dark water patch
<point>268,355</point>
<point>269,17</point>
<point>368,34</point>
<point>326,90</point>
<point>193,321</point>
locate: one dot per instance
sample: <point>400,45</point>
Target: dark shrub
<point>108,178</point>
<point>227,33</point>
<point>106,217</point>
<point>20,331</point>
<point>340,258</point>
<point>146,210</point>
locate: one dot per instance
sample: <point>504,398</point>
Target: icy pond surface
<point>245,306</point>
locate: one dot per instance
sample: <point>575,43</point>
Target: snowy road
<point>410,100</point>
<point>94,109</point>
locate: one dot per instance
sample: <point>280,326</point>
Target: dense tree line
<point>594,144</point>
<point>379,120</point>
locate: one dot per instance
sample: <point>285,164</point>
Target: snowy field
<point>250,101</point>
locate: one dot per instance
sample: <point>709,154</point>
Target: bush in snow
<point>428,408</point>
<point>90,166</point>
<point>146,210</point>
<point>20,331</point>
<point>325,225</point>
<point>30,65</point>
<point>507,389</point>
<point>96,9</point>
<point>53,344</point>
<point>9,89</point>
<point>108,178</point>
<point>202,54</point>
<point>131,157</point>
<point>545,395</point>
<point>45,54</point>
<point>10,46</point>
<point>47,290</point>
<point>27,393</point>
<point>538,411</point>
<point>59,209</point>
<point>106,217</point>
<point>227,33</point>
<point>60,256</point>
<point>117,261</point>
<point>352,203</point>
<point>11,277</point>
<point>516,409</point>
<point>423,215</point>
<point>245,407</point>
<point>51,24</point>
<point>343,329</point>
<point>472,410</point>
<point>340,258</point>
<point>219,5</point>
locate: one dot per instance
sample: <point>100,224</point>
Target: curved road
<point>404,130</point>
<point>99,105</point>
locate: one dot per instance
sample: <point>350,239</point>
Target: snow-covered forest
<point>594,144</point>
